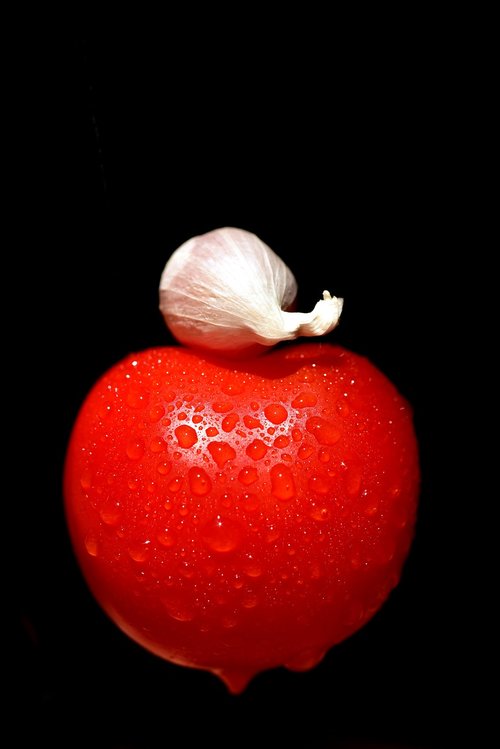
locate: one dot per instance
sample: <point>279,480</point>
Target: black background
<point>343,165</point>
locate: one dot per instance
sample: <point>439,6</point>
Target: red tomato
<point>237,517</point>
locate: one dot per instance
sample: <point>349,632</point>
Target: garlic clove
<point>228,292</point>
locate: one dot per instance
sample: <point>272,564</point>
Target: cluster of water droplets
<point>200,483</point>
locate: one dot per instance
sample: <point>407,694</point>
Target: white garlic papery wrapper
<point>228,292</point>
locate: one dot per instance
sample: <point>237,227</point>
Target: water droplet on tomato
<point>272,534</point>
<point>175,485</point>
<point>323,455</point>
<point>199,481</point>
<point>256,450</point>
<point>235,681</point>
<point>282,482</point>
<point>222,534</point>
<point>320,513</point>
<point>226,500</point>
<point>221,407</point>
<point>229,422</point>
<point>324,431</point>
<point>343,408</point>
<point>232,387</point>
<point>305,451</point>
<point>164,468</point>
<point>91,544</point>
<point>251,423</point>
<point>157,445</point>
<point>197,419</point>
<point>319,485</point>
<point>281,442</point>
<point>250,502</point>
<point>86,480</point>
<point>135,398</point>
<point>252,570</point>
<point>221,452</point>
<point>135,449</point>
<point>296,435</point>
<point>229,622</point>
<point>276,413</point>
<point>186,436</point>
<point>371,509</point>
<point>178,610</point>
<point>156,412</point>
<point>248,475</point>
<point>110,513</point>
<point>211,431</point>
<point>167,538</point>
<point>250,601</point>
<point>139,552</point>
<point>305,400</point>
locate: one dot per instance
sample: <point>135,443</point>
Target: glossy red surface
<point>240,516</point>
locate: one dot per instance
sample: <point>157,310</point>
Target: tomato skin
<point>238,516</point>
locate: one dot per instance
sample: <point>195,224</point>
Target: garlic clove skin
<point>228,292</point>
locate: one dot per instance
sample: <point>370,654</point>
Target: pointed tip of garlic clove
<point>321,320</point>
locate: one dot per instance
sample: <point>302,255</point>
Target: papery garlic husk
<point>228,292</point>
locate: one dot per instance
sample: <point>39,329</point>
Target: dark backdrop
<point>342,167</point>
